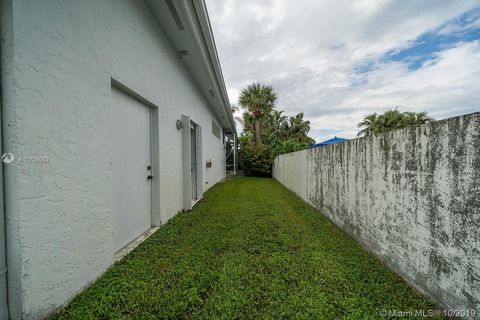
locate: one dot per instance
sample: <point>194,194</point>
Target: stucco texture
<point>59,214</point>
<point>410,196</point>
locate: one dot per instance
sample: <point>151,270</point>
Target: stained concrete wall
<point>59,215</point>
<point>410,196</point>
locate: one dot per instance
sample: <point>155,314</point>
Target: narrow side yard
<point>251,249</point>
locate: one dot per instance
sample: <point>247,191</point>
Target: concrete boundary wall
<point>409,196</point>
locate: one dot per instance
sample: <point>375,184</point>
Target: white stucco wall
<point>59,214</point>
<point>410,196</point>
<point>291,170</point>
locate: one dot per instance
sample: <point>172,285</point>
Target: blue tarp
<point>327,142</point>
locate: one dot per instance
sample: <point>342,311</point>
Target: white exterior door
<point>131,168</point>
<point>193,162</point>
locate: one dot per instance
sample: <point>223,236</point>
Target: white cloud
<point>444,88</point>
<point>308,50</point>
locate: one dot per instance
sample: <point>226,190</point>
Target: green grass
<point>251,249</point>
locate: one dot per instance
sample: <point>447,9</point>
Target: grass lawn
<point>251,249</point>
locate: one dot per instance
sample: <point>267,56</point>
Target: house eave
<point>188,30</point>
<point>202,15</point>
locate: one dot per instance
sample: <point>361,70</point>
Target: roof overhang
<point>187,27</point>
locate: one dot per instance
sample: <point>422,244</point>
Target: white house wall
<point>59,214</point>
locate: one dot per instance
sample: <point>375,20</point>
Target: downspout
<point>235,153</point>
<point>4,10</point>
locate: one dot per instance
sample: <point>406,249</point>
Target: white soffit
<point>186,25</point>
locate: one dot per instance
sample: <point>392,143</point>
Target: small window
<point>215,129</point>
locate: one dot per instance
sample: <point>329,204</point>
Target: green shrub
<point>288,146</point>
<point>256,160</point>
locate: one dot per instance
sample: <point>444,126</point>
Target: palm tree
<point>298,128</point>
<point>369,123</point>
<point>248,123</point>
<point>258,99</point>
<point>277,123</point>
<point>412,118</point>
<point>390,120</point>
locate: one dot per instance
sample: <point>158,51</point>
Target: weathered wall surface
<point>410,196</point>
<point>59,215</point>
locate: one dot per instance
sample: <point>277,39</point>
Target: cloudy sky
<point>338,60</point>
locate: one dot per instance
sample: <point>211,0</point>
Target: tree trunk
<point>257,132</point>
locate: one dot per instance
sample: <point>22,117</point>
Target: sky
<point>339,60</point>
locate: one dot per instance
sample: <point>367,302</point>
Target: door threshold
<point>132,245</point>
